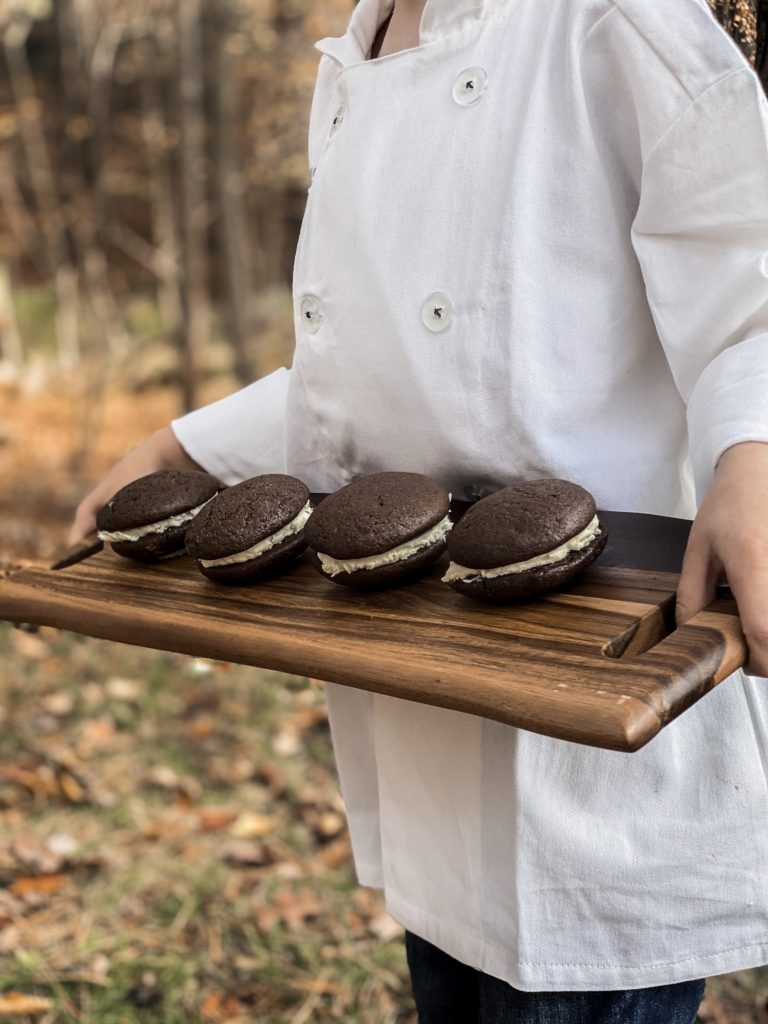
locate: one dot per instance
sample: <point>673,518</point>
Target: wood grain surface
<point>597,663</point>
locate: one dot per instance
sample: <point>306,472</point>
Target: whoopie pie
<point>380,529</point>
<point>147,519</point>
<point>524,540</point>
<point>252,530</point>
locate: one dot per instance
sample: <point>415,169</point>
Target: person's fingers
<point>697,586</point>
<point>83,523</point>
<point>748,580</point>
<point>122,473</point>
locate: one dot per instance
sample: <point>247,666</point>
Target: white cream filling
<point>274,539</point>
<point>161,527</point>
<point>333,566</point>
<point>581,540</point>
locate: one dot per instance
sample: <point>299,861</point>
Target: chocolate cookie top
<point>520,522</point>
<point>155,497</point>
<point>245,514</point>
<point>376,513</point>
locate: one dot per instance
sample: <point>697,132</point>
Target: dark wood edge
<point>638,723</point>
<point>89,545</point>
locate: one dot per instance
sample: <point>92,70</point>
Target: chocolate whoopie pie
<point>524,540</point>
<point>147,519</point>
<point>251,530</point>
<point>380,529</point>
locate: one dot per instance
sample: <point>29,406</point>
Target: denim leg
<point>446,991</point>
<point>663,1004</point>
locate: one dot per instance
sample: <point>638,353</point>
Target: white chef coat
<point>536,244</point>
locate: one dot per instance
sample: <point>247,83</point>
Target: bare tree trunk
<point>41,178</point>
<point>194,195</point>
<point>231,221</point>
<point>20,220</point>
<point>164,256</point>
<point>94,260</point>
<point>11,346</point>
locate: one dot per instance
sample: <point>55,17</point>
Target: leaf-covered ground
<point>174,847</point>
<point>172,842</point>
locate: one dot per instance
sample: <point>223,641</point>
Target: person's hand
<point>160,450</point>
<point>729,542</point>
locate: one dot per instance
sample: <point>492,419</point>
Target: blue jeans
<point>448,992</point>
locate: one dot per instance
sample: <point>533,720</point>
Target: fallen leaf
<point>310,718</point>
<point>37,885</point>
<point>62,844</point>
<point>211,1006</point>
<point>231,771</point>
<point>164,776</point>
<point>271,776</point>
<point>99,966</point>
<point>201,727</point>
<point>213,819</point>
<point>10,938</point>
<point>286,743</point>
<point>242,853</point>
<point>385,927</point>
<point>329,825</point>
<point>322,986</point>
<point>10,908</point>
<point>71,787</point>
<point>289,869</point>
<point>251,825</point>
<point>123,689</point>
<point>36,857</point>
<point>336,853</point>
<point>292,908</point>
<point>28,645</point>
<point>16,1004</point>
<point>220,1009</point>
<point>95,734</point>
<point>58,704</point>
<point>92,694</point>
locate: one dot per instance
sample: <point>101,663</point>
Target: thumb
<point>84,523</point>
<point>697,586</point>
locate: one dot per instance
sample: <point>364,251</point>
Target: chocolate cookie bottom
<point>153,547</point>
<point>386,575</point>
<point>516,586</point>
<point>263,567</point>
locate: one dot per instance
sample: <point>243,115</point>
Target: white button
<point>764,265</point>
<point>437,312</point>
<point>310,314</point>
<point>470,86</point>
<point>338,117</point>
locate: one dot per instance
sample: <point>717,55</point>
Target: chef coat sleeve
<point>241,435</point>
<point>701,236</point>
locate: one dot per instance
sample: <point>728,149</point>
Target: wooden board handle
<point>696,656</point>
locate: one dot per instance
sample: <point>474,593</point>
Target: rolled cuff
<point>242,435</point>
<point>728,405</point>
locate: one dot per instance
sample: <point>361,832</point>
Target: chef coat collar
<point>439,18</point>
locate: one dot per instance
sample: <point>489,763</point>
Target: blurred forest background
<point>153,176</point>
<point>172,843</point>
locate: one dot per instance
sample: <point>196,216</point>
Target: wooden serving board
<point>598,662</point>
